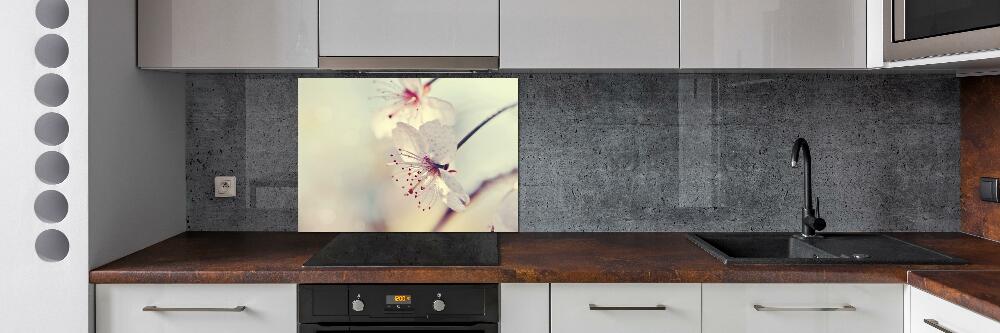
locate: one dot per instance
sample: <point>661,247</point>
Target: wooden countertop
<point>974,290</point>
<point>277,257</point>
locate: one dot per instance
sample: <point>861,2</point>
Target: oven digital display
<point>398,299</point>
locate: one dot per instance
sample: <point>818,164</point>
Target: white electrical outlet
<point>225,187</point>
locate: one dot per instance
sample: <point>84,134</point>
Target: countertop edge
<point>940,283</point>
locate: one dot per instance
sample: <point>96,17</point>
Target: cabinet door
<point>524,308</point>
<point>407,28</point>
<point>227,33</point>
<point>589,34</point>
<point>930,314</point>
<point>626,307</point>
<point>773,34</point>
<point>188,308</point>
<point>802,308</point>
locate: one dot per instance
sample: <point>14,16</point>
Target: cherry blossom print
<point>505,219</point>
<point>421,165</point>
<point>409,102</point>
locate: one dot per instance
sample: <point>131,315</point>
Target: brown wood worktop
<point>978,291</point>
<point>277,257</point>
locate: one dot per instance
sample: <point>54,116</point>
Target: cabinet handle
<point>154,308</point>
<point>759,307</point>
<point>935,324</point>
<point>657,307</point>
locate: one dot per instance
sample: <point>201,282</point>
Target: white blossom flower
<point>410,103</point>
<point>421,162</point>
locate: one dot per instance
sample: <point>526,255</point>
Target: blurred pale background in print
<point>345,180</point>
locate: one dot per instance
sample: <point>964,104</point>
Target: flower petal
<point>506,215</point>
<point>383,124</point>
<point>407,138</point>
<point>440,141</point>
<point>454,195</point>
<point>439,109</point>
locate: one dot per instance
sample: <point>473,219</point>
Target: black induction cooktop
<point>408,249</point>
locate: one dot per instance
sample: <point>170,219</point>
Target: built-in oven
<point>385,308</point>
<point>916,29</point>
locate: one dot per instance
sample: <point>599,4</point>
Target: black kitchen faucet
<point>810,221</point>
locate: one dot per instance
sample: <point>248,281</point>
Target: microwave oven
<point>915,29</point>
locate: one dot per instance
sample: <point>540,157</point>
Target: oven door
<point>474,328</point>
<point>916,29</point>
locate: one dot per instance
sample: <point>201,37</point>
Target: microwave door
<point>916,19</point>
<point>916,29</point>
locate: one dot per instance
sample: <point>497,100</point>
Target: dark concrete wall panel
<point>640,152</point>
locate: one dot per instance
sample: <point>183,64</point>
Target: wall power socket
<point>225,187</point>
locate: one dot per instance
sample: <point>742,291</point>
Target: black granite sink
<point>833,248</point>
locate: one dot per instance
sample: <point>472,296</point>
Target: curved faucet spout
<point>810,222</point>
<point>800,145</point>
<point>807,188</point>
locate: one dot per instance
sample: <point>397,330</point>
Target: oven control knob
<point>358,305</point>
<point>438,305</point>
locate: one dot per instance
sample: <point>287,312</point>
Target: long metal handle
<point>657,307</point>
<point>154,308</point>
<point>935,324</point>
<point>759,307</point>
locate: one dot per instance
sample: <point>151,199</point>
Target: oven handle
<point>482,327</point>
<point>485,328</point>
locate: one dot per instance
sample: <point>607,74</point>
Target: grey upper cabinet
<point>589,34</point>
<point>192,34</point>
<point>408,28</point>
<point>774,34</point>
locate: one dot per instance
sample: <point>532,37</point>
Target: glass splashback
<point>409,154</point>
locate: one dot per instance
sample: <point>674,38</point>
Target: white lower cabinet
<point>625,307</point>
<point>802,308</point>
<point>524,308</point>
<point>569,307</point>
<point>201,308</point>
<point>930,314</point>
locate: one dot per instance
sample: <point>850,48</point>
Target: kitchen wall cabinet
<point>802,308</point>
<point>405,28</point>
<point>930,314</point>
<point>193,34</point>
<point>124,308</point>
<point>589,34</point>
<point>512,34</point>
<point>777,34</point>
<point>626,307</point>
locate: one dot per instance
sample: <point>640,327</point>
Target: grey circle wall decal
<point>52,245</point>
<point>52,129</point>
<point>51,90</point>
<point>52,13</point>
<point>52,167</point>
<point>51,206</point>
<point>51,51</point>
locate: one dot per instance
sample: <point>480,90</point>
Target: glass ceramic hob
<point>408,249</point>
